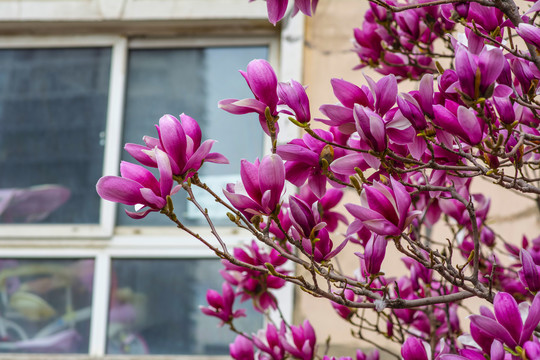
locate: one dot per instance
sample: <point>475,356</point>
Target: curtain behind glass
<point>53,111</point>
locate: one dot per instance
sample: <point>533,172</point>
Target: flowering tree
<point>407,161</point>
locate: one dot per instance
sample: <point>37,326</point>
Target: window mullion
<point>113,132</point>
<point>100,304</point>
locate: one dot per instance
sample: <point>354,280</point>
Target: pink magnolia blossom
<point>322,246</point>
<point>529,274</point>
<point>488,64</point>
<point>294,96</point>
<point>269,341</point>
<point>300,341</point>
<point>262,81</point>
<point>303,161</point>
<point>373,256</point>
<point>221,305</point>
<point>262,184</point>
<point>371,128</point>
<point>342,310</point>
<point>277,8</point>
<point>138,186</point>
<point>252,284</point>
<point>325,205</point>
<point>241,349</point>
<point>529,33</point>
<point>384,209</point>
<point>181,141</point>
<point>507,325</point>
<point>305,219</point>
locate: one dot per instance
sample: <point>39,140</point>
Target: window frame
<point>105,241</point>
<point>113,130</point>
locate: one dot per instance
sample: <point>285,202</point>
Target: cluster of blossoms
<point>402,43</point>
<point>407,160</point>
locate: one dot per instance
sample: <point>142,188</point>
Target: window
<point>76,275</point>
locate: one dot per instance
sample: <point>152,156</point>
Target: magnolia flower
<point>305,219</point>
<point>277,8</point>
<point>304,160</point>
<point>488,65</point>
<point>348,95</point>
<point>496,352</point>
<point>241,349</point>
<point>181,141</point>
<point>262,81</point>
<point>466,125</point>
<point>269,342</point>
<point>251,284</point>
<point>373,355</point>
<point>138,186</point>
<point>384,209</point>
<point>294,96</point>
<point>373,256</point>
<point>300,341</point>
<point>259,193</point>
<point>413,349</point>
<point>507,325</point>
<point>370,127</point>
<point>325,205</point>
<point>342,310</point>
<point>529,272</point>
<point>529,33</point>
<point>385,93</point>
<point>221,306</point>
<point>321,247</point>
<point>411,110</point>
<point>532,349</point>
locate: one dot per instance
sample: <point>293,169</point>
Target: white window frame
<point>113,130</point>
<point>105,241</point>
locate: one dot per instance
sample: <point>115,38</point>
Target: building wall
<point>327,56</point>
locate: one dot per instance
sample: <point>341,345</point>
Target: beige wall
<point>328,55</point>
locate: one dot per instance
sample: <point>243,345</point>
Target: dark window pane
<point>155,308</point>
<point>192,81</point>
<point>45,305</point>
<point>53,111</point>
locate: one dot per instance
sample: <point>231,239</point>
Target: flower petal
<point>117,189</point>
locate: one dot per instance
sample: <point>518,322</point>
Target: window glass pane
<point>192,81</point>
<point>53,110</point>
<point>45,305</point>
<point>154,308</point>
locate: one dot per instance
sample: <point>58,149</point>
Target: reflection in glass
<point>154,308</point>
<point>192,81</point>
<point>45,305</point>
<point>53,111</point>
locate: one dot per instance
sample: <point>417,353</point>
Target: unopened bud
<point>327,154</point>
<point>231,217</point>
